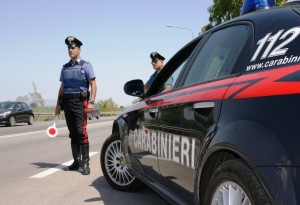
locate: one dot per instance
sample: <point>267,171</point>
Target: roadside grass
<point>47,114</point>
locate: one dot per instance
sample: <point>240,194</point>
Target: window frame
<point>171,66</point>
<point>240,63</point>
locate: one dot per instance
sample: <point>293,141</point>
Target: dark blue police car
<point>227,133</point>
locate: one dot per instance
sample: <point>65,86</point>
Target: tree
<point>224,10</point>
<point>108,105</point>
<point>22,98</point>
<point>34,99</point>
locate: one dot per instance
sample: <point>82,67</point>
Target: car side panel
<point>186,118</point>
<point>283,183</point>
<point>260,117</point>
<point>259,122</point>
<point>140,126</point>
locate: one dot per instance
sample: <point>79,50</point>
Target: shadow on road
<point>45,165</point>
<point>110,196</point>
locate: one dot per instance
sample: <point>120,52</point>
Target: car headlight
<point>5,113</point>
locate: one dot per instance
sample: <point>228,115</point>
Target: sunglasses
<point>154,61</point>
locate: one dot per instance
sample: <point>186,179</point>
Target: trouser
<point>76,119</point>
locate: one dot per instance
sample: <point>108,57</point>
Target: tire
<point>234,177</point>
<point>30,120</point>
<point>12,121</point>
<point>114,167</point>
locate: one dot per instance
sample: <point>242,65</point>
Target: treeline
<point>108,105</point>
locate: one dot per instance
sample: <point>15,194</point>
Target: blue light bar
<point>254,5</point>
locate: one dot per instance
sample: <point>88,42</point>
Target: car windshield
<point>6,105</point>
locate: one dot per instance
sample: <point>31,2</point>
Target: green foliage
<point>224,10</point>
<point>107,105</point>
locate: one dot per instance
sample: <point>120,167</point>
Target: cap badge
<point>70,39</point>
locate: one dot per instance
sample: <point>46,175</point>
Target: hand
<point>90,108</point>
<point>57,111</point>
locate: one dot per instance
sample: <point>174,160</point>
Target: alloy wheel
<point>115,165</point>
<point>230,193</point>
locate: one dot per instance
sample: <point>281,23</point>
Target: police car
<point>228,132</point>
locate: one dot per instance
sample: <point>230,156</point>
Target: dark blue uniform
<point>76,84</point>
<point>75,78</point>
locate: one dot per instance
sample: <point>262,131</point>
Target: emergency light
<point>254,5</point>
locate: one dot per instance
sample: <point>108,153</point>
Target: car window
<point>219,55</point>
<point>176,73</point>
<point>7,105</point>
<point>18,106</point>
<point>25,106</point>
<point>173,78</point>
<point>171,72</point>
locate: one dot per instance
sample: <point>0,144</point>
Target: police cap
<point>73,42</point>
<point>154,56</point>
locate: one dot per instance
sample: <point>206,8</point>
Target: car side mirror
<point>134,88</point>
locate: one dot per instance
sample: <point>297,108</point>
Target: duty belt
<point>71,96</point>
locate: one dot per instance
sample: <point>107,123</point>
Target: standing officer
<point>157,62</point>
<point>75,99</point>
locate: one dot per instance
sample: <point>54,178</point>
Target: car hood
<point>4,110</point>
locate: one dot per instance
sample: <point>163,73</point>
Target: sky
<point>117,35</point>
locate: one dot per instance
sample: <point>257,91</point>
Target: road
<point>31,168</point>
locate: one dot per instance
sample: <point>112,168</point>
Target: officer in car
<point>74,97</point>
<point>157,62</point>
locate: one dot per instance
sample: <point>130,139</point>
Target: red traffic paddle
<point>52,130</point>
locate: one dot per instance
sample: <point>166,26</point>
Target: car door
<point>143,140</point>
<point>188,115</point>
<point>26,111</point>
<point>18,112</point>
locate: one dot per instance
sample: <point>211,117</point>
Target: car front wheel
<point>234,183</point>
<point>114,167</point>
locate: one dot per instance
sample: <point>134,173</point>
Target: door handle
<point>203,109</point>
<point>203,105</point>
<point>153,111</point>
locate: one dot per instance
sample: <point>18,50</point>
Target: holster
<point>84,95</point>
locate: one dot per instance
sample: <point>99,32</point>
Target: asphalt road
<point>31,168</point>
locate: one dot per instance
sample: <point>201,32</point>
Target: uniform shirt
<point>76,77</point>
<point>149,82</point>
<point>152,77</point>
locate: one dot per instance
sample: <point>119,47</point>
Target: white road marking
<point>44,131</point>
<point>57,168</point>
<point>26,133</point>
